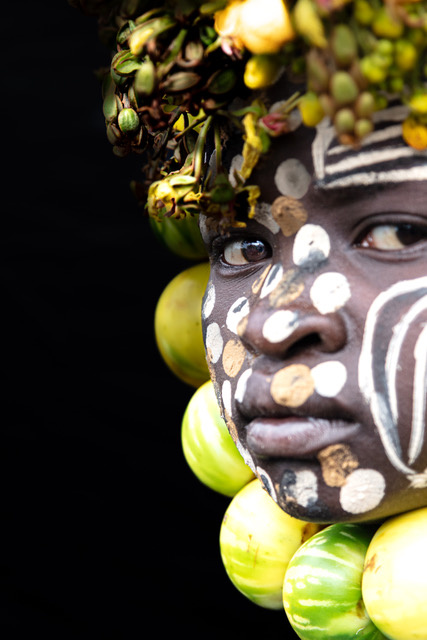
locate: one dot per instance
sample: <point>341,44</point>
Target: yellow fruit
<point>257,541</point>
<point>208,447</point>
<point>177,325</point>
<point>394,583</point>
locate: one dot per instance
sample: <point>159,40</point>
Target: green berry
<point>344,121</point>
<point>365,104</point>
<point>363,127</point>
<point>344,89</point>
<point>385,25</point>
<point>363,12</point>
<point>405,55</point>
<point>344,45</point>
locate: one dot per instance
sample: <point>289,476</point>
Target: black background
<point>105,531</point>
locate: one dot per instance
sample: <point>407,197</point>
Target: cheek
<point>393,374</point>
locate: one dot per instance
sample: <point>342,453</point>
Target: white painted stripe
<point>381,135</point>
<point>370,158</point>
<point>387,430</point>
<point>419,398</point>
<point>400,331</point>
<point>395,176</point>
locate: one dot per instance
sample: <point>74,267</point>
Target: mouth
<point>296,437</point>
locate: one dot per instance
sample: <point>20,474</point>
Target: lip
<point>296,437</point>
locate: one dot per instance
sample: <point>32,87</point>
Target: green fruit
<point>344,89</point>
<point>394,584</point>
<point>128,120</point>
<point>178,325</point>
<point>257,540</point>
<point>208,447</point>
<point>322,586</point>
<point>181,236</point>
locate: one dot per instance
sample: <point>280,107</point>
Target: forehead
<point>307,160</point>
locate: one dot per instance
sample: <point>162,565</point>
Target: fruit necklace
<point>335,582</point>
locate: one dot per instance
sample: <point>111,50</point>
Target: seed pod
<point>344,45</point>
<point>317,72</point>
<point>145,78</point>
<point>147,30</point>
<point>114,135</point>
<point>363,12</point>
<point>365,105</point>
<point>111,107</point>
<point>180,81</point>
<point>344,121</point>
<point>344,89</point>
<point>128,121</point>
<point>405,55</point>
<point>385,25</point>
<point>363,127</point>
<point>221,81</point>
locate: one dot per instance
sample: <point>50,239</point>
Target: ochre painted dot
<point>337,462</point>
<point>233,357</point>
<point>292,386</point>
<point>288,289</point>
<point>289,214</point>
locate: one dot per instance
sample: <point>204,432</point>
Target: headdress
<point>187,75</point>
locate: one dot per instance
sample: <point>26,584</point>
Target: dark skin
<point>319,423</point>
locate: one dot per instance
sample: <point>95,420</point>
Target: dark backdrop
<point>104,529</point>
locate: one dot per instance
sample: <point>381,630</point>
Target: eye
<point>392,237</point>
<point>242,252</point>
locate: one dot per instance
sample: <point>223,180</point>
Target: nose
<point>280,332</point>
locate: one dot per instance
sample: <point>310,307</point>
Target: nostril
<point>312,341</point>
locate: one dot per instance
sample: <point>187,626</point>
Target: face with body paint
<point>315,324</point>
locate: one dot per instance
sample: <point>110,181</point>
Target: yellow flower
<point>414,133</point>
<point>262,26</point>
<point>256,143</point>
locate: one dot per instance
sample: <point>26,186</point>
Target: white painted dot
<point>292,178</point>
<point>311,244</point>
<point>238,310</point>
<point>241,385</point>
<point>236,165</point>
<point>279,325</point>
<point>272,280</point>
<point>226,396</point>
<point>209,301</point>
<point>245,455</point>
<point>264,217</point>
<point>363,490</point>
<point>329,378</point>
<point>305,488</point>
<point>214,342</point>
<point>330,292</point>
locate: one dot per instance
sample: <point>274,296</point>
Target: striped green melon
<point>322,587</point>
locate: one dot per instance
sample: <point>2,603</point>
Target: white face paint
<point>214,342</point>
<point>304,490</point>
<point>272,280</point>
<point>292,178</point>
<point>241,385</point>
<point>363,491</point>
<point>384,404</point>
<point>236,313</point>
<point>329,378</point>
<point>209,302</point>
<point>311,244</point>
<point>280,325</point>
<point>329,292</point>
<point>226,397</point>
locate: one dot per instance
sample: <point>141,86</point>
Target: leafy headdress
<point>187,75</point>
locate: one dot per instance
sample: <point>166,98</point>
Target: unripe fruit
<point>128,121</point>
<point>208,447</point>
<point>394,584</point>
<point>257,540</point>
<point>261,71</point>
<point>311,109</point>
<point>344,121</point>
<point>344,89</point>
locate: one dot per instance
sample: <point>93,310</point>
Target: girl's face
<point>315,326</point>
